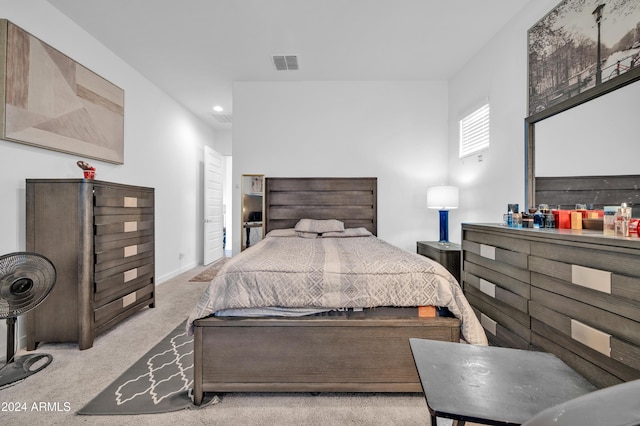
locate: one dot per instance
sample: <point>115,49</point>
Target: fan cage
<point>26,279</point>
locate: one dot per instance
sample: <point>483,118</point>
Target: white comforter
<point>332,273</point>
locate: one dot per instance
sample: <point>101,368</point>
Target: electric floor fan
<point>25,281</point>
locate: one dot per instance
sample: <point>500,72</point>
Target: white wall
<point>163,147</point>
<point>395,131</point>
<point>223,141</point>
<point>497,73</point>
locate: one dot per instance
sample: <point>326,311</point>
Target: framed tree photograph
<point>580,45</point>
<point>50,101</point>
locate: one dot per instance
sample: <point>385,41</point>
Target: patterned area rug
<point>159,382</point>
<point>208,274</point>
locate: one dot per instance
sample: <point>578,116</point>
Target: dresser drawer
<point>597,367</point>
<point>622,306</point>
<point>588,278</point>
<point>495,290</point>
<point>494,240</point>
<point>497,335</point>
<point>509,269</point>
<point>590,370</point>
<point>620,261</point>
<point>123,250</point>
<point>125,303</point>
<point>121,280</point>
<point>511,319</point>
<point>612,336</point>
<point>507,282</point>
<point>106,196</point>
<point>122,224</point>
<point>115,266</point>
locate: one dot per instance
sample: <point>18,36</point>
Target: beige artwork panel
<point>50,101</point>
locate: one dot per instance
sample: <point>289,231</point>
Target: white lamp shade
<point>442,197</point>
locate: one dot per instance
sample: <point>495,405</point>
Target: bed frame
<point>313,354</point>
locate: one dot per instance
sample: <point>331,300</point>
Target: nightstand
<point>446,254</point>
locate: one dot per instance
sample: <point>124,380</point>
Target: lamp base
<point>444,226</point>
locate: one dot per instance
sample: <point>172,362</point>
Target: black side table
<point>446,254</point>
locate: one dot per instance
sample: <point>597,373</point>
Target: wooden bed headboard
<point>350,200</point>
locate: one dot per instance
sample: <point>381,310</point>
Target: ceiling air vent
<point>285,62</point>
<point>222,118</point>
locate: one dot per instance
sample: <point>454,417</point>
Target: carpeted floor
<point>210,272</point>
<point>159,382</point>
<point>55,394</point>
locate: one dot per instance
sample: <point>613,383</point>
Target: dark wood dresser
<point>574,293</point>
<point>100,237</point>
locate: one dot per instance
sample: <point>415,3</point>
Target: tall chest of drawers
<point>574,293</point>
<point>100,237</point>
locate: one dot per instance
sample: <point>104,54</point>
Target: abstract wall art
<point>50,101</point>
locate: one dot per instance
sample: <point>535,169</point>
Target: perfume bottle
<point>623,217</point>
<point>549,220</point>
<point>538,219</point>
<point>609,220</point>
<point>516,220</point>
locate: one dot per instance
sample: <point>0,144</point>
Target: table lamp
<point>443,198</point>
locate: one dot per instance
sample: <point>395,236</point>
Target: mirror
<point>252,210</point>
<point>592,134</point>
<point>599,137</point>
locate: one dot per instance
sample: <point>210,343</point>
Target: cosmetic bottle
<point>609,220</point>
<point>549,220</point>
<point>539,216</point>
<point>538,219</point>
<point>623,216</point>
<point>516,219</point>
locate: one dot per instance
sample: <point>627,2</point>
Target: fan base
<point>22,367</point>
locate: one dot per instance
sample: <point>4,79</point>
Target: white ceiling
<point>195,49</point>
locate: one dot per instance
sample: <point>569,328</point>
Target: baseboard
<point>181,270</point>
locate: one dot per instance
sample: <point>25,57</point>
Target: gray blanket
<point>355,272</point>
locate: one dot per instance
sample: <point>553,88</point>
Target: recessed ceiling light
<point>218,108</point>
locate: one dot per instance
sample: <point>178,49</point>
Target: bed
<point>293,313</point>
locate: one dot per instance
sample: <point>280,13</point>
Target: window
<point>474,132</point>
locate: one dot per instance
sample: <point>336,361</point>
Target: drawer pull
<point>488,323</point>
<point>130,226</point>
<point>131,274</point>
<point>129,299</point>
<point>130,202</point>
<point>488,288</point>
<point>591,337</point>
<point>488,251</point>
<point>595,279</point>
<point>130,251</point>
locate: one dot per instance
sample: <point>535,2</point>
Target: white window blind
<point>474,132</point>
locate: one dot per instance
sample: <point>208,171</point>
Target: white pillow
<point>319,226</point>
<point>307,234</point>
<point>349,232</point>
<point>288,232</point>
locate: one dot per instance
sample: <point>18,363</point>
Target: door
<point>213,215</point>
